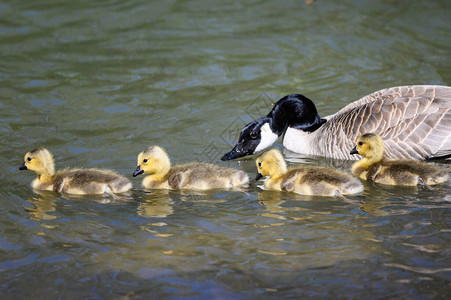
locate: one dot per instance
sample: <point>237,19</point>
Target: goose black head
<point>255,136</point>
<point>294,111</point>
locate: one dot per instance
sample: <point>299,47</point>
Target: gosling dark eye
<point>259,163</point>
<point>144,160</point>
<point>254,135</point>
<point>29,159</point>
<point>360,143</point>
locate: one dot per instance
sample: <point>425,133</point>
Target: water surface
<point>97,83</point>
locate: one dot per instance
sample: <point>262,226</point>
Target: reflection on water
<point>43,205</point>
<point>157,204</point>
<point>98,82</point>
<point>320,226</point>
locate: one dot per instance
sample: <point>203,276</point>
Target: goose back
<point>413,121</point>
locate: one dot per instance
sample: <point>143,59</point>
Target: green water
<point>98,82</point>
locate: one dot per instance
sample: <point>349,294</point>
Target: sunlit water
<point>97,82</point>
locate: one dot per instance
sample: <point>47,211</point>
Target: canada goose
<point>306,180</point>
<point>196,176</point>
<point>414,121</point>
<point>375,167</point>
<point>71,181</point>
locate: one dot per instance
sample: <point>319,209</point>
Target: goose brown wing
<point>414,121</point>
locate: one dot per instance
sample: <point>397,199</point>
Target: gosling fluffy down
<point>71,181</point>
<point>375,167</point>
<point>308,180</point>
<point>195,176</point>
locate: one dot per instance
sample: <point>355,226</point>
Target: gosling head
<point>40,161</point>
<point>153,160</point>
<point>270,163</point>
<point>369,145</point>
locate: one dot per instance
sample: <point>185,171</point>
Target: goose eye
<point>259,163</point>
<point>29,159</point>
<point>360,143</point>
<point>144,160</point>
<point>253,134</point>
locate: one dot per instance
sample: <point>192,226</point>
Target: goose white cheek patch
<point>267,138</point>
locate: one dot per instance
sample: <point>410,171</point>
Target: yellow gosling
<point>71,181</point>
<point>308,180</point>
<point>155,162</point>
<point>375,167</point>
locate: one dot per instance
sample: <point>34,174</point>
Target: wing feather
<point>414,121</point>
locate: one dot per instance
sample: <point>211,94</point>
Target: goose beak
<point>232,154</point>
<point>23,167</point>
<point>138,171</point>
<point>258,176</point>
<point>354,150</point>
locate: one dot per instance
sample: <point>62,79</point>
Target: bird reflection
<point>379,198</point>
<point>43,204</point>
<point>156,204</point>
<point>205,196</point>
<point>274,201</point>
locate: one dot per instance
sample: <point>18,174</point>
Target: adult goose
<point>414,122</point>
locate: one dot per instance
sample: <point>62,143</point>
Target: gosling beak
<point>258,176</point>
<point>138,171</point>
<point>23,167</point>
<point>354,150</point>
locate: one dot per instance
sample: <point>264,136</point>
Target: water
<point>97,83</point>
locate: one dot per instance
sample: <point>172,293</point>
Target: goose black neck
<point>295,111</point>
